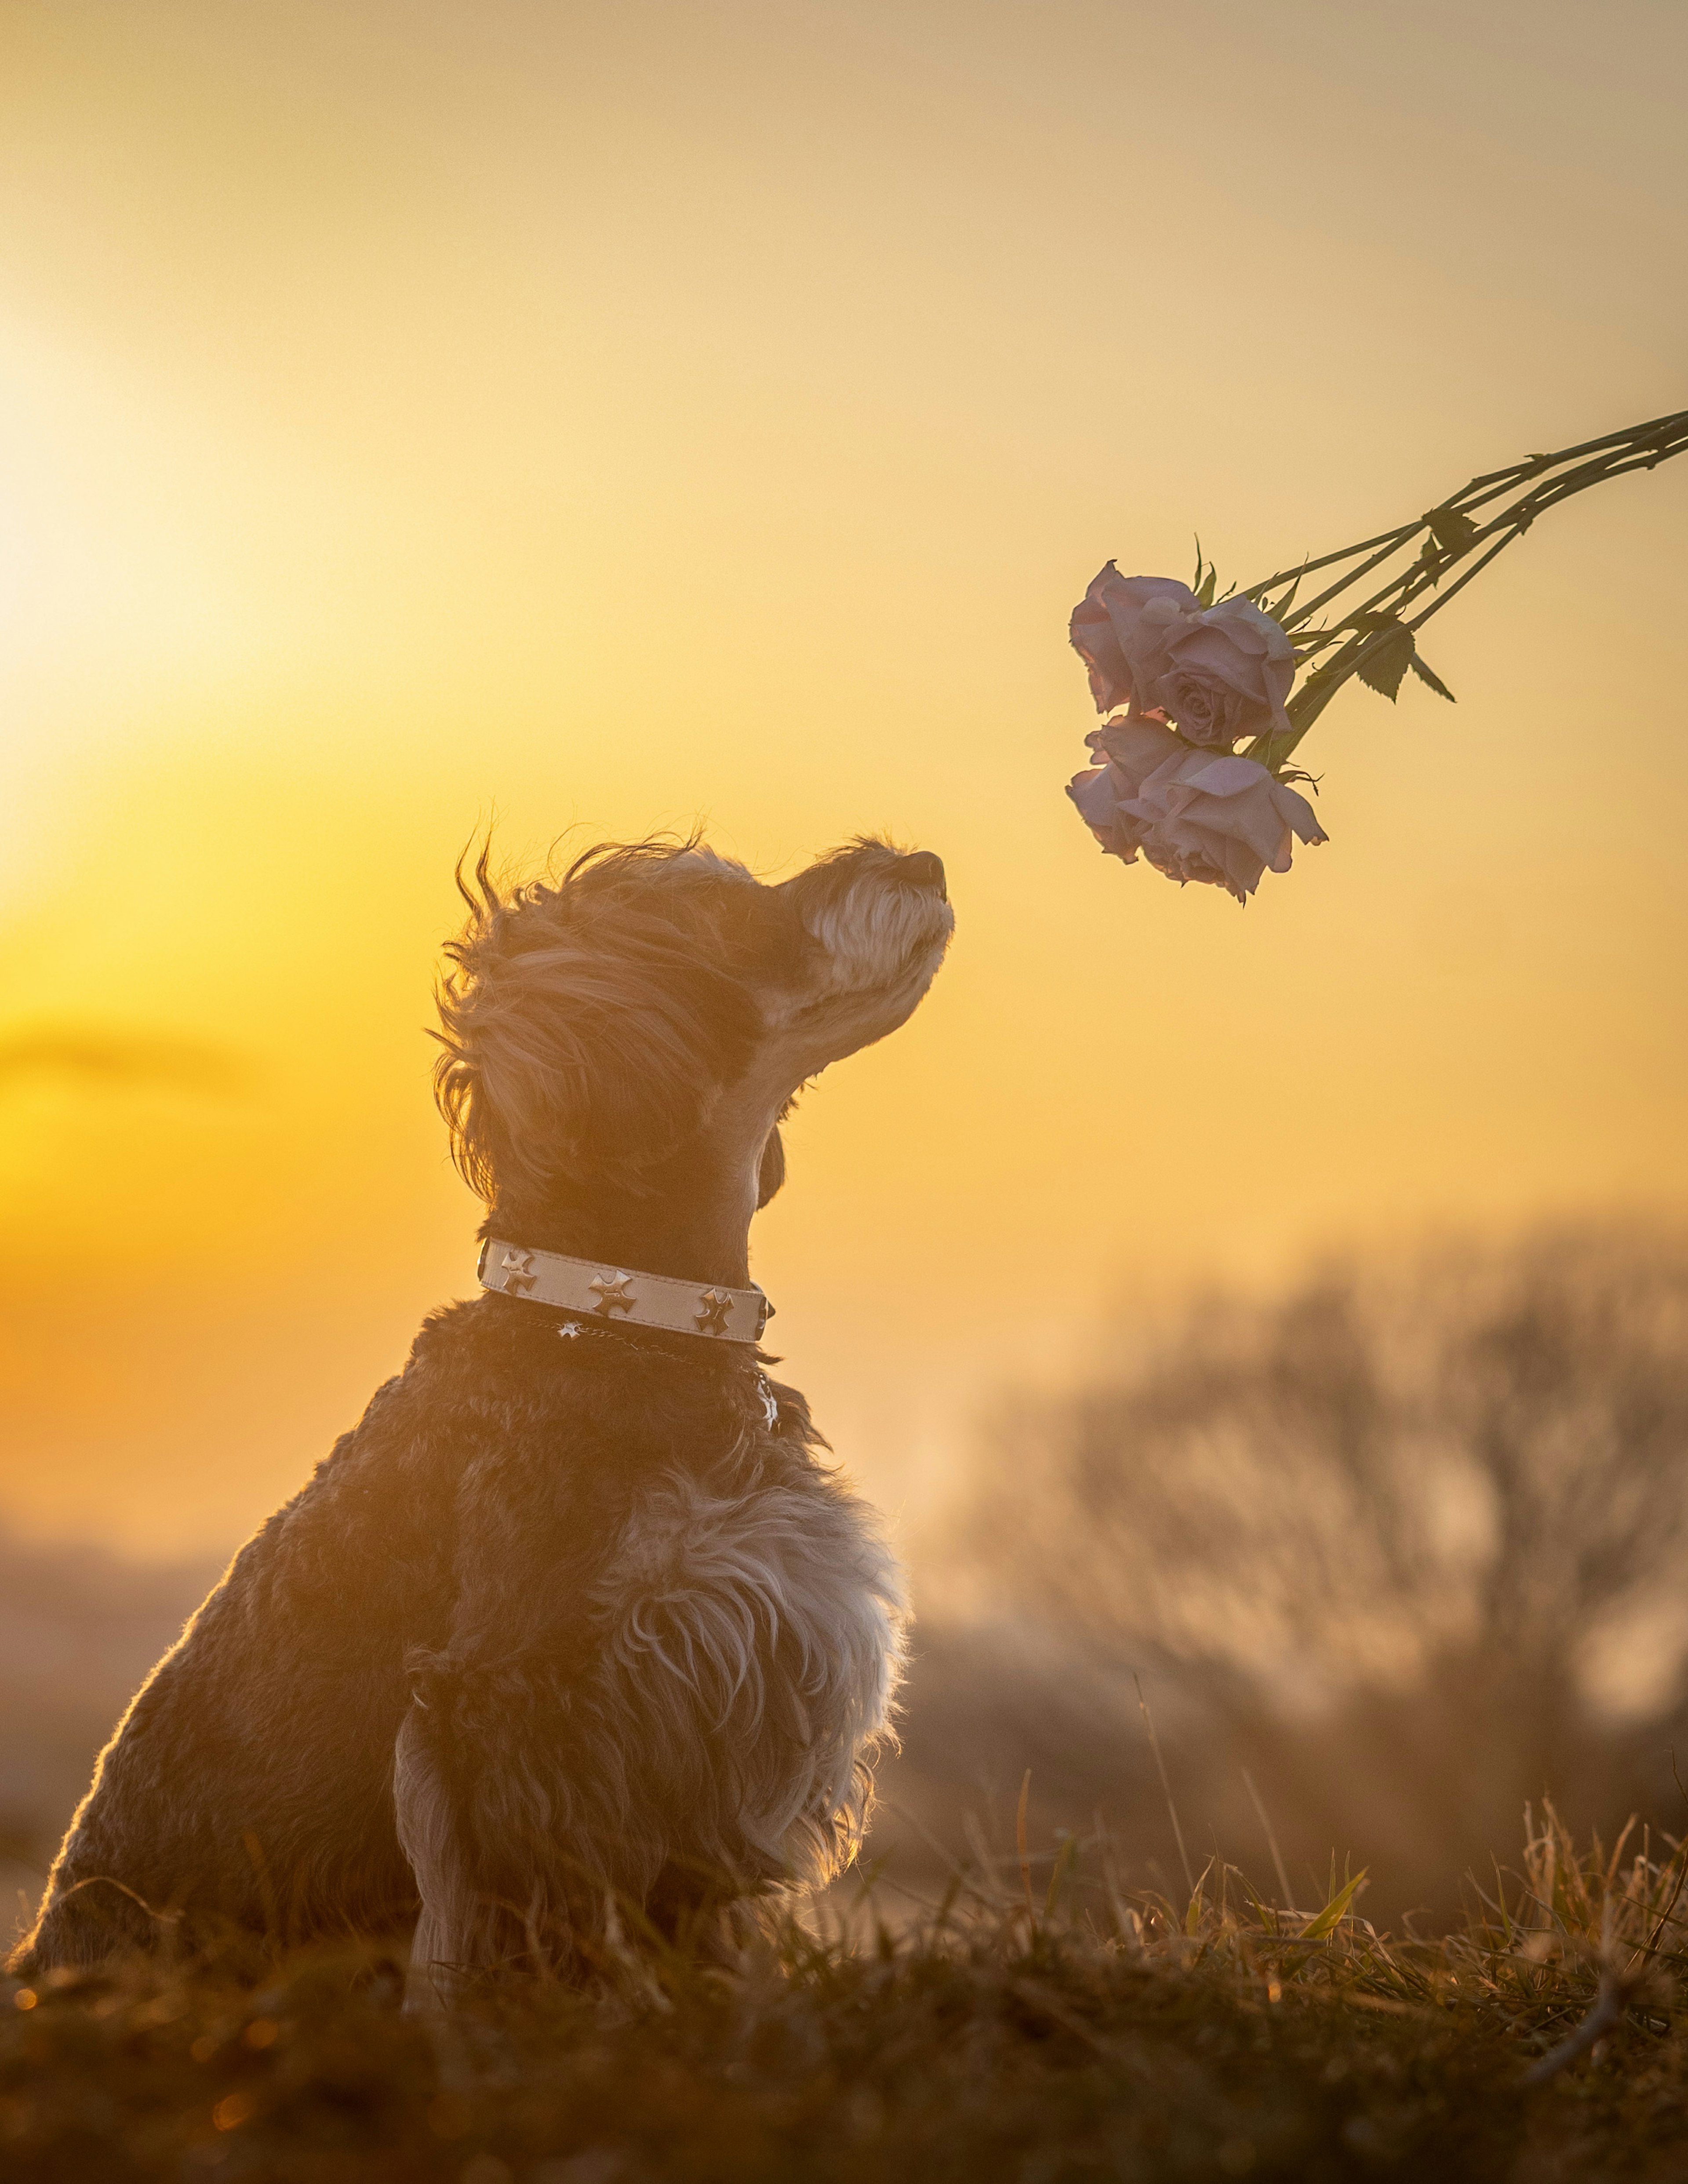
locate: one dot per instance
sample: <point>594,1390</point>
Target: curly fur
<point>543,1062</point>
<point>560,1629</point>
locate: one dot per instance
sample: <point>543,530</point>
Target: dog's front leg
<point>442,1945</point>
<point>518,1874</point>
<point>476,1917</point>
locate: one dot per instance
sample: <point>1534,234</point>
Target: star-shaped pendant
<point>614,1294</point>
<point>712,1310</point>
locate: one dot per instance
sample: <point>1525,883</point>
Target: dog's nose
<point>924,870</point>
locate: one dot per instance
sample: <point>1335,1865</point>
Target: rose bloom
<point>1218,673</point>
<point>1195,816</point>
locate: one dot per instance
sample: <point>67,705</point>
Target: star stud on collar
<point>518,1270</point>
<point>712,1310</point>
<point>614,1294</point>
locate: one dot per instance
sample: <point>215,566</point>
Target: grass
<point>1042,2023</point>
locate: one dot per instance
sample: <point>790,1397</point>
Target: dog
<point>576,1630</point>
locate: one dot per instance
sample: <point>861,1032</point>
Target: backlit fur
<point>568,1634</point>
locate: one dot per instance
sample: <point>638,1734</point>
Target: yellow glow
<point>617,417</point>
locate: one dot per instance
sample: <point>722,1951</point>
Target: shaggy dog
<point>576,1622</point>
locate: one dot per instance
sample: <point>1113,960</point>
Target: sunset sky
<point>614,418</point>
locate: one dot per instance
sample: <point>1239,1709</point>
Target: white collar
<point>611,1295</point>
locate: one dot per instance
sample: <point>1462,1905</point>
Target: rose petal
<point>1097,795</point>
<point>1298,813</point>
<point>1139,746</point>
<point>1228,777</point>
<point>1108,632</point>
<point>1091,635</point>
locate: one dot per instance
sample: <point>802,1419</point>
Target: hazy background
<point>620,417</point>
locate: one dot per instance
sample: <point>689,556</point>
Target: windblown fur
<point>563,1628</point>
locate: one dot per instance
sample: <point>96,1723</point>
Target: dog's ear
<point>770,1174</point>
<point>598,1042</point>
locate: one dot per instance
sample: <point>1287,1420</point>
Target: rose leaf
<point>1429,674</point>
<point>1383,662</point>
<point>1452,529</point>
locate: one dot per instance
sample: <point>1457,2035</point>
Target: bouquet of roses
<point>1181,678</point>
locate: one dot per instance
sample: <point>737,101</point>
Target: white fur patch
<point>876,934</point>
<point>770,1628</point>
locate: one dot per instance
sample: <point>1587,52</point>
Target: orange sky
<point>614,417</point>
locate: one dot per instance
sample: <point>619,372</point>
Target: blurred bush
<point>1402,1548</point>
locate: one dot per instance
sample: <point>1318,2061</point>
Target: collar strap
<point>612,1295</point>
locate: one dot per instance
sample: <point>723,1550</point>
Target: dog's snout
<point>924,870</point>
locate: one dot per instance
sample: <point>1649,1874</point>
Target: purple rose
<point>1106,631</point>
<point>1218,673</point>
<point>1195,816</point>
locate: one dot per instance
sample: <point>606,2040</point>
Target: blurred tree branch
<point>1485,1458</point>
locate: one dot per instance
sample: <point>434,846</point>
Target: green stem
<point>1641,447</point>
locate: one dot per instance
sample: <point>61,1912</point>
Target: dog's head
<point>660,1000</point>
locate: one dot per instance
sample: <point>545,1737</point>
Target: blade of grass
<point>1064,1858</point>
<point>1325,1922</point>
<point>1020,1844</point>
<point>1665,1916</point>
<point>1192,1917</point>
<point>1267,1916</point>
<point>1289,1901</point>
<point>1166,1786</point>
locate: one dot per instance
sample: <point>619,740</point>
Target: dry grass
<point>1042,2023</point>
